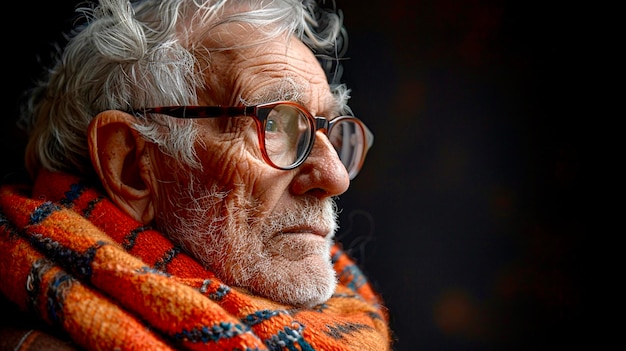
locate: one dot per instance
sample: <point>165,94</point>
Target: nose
<point>322,173</point>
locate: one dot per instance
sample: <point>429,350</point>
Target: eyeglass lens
<point>348,139</point>
<point>289,136</point>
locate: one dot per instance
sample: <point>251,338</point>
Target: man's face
<point>259,228</point>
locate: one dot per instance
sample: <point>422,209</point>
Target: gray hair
<point>131,54</point>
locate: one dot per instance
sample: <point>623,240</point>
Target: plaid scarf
<point>74,259</point>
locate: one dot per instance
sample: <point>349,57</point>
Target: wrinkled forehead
<point>254,67</point>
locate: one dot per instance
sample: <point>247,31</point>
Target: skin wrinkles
<point>248,72</point>
<point>267,78</point>
<point>273,229</point>
<point>265,68</point>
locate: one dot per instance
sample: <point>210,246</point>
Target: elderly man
<point>184,157</point>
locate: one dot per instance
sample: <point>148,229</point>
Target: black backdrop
<point>468,214</point>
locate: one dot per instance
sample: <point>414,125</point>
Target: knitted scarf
<point>78,262</point>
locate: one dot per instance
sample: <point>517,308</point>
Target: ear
<point>118,154</point>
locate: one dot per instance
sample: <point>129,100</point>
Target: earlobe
<point>119,157</point>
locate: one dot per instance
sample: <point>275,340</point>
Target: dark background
<point>469,214</point>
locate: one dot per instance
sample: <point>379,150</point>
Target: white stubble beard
<point>219,230</point>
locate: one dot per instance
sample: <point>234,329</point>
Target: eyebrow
<point>284,89</point>
<point>288,89</point>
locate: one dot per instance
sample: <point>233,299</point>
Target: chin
<point>303,283</point>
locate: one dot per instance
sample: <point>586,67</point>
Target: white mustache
<point>320,216</point>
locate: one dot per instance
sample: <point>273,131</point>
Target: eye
<point>271,125</point>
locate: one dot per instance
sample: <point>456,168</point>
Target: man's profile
<point>184,160</point>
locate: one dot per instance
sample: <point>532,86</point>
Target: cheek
<point>232,159</point>
<point>231,166</point>
<point>232,163</point>
<point>253,187</point>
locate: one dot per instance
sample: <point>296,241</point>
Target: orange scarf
<point>78,262</point>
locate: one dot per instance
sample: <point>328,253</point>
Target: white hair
<point>125,55</point>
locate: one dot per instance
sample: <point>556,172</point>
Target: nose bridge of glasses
<point>322,123</point>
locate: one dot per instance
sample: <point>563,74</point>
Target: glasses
<point>286,131</point>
